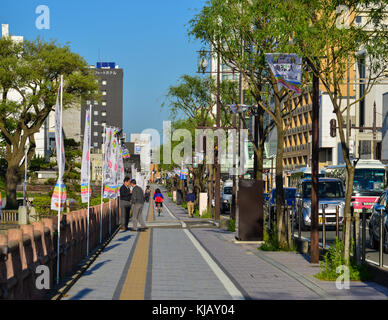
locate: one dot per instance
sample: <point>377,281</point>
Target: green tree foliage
<point>31,71</point>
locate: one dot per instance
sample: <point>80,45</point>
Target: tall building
<point>109,110</point>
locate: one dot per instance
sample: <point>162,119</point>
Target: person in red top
<point>158,198</point>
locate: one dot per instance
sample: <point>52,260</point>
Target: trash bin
<point>250,210</point>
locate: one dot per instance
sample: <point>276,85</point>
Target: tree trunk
<point>347,213</point>
<point>279,176</point>
<point>12,179</point>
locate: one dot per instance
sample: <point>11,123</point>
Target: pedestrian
<point>147,194</point>
<point>190,198</point>
<point>158,198</point>
<point>125,203</point>
<point>137,201</point>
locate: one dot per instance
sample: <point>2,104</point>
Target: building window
<point>104,93</point>
<point>95,144</point>
<point>96,123</point>
<point>103,103</point>
<point>103,82</point>
<point>88,102</point>
<point>103,123</point>
<point>95,102</point>
<point>358,19</point>
<point>95,113</point>
<point>103,113</point>
<point>95,133</point>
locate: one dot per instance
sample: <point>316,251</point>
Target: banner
<point>59,201</point>
<point>287,70</point>
<point>110,165</point>
<point>125,152</point>
<point>120,168</point>
<point>85,167</point>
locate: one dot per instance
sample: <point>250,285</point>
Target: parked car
<point>226,196</point>
<point>374,223</point>
<point>289,195</point>
<point>330,194</point>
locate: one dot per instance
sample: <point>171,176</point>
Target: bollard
<point>292,221</point>
<point>323,227</point>
<point>337,222</point>
<point>363,239</point>
<point>357,234</point>
<point>299,229</point>
<point>381,238</point>
<point>288,211</point>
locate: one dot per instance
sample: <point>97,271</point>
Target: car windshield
<point>368,180</point>
<point>327,189</point>
<point>228,190</point>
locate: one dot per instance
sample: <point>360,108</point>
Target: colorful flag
<point>125,152</point>
<point>58,199</point>
<point>110,165</point>
<point>85,167</point>
<point>287,70</point>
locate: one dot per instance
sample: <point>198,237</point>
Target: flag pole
<point>89,189</point>
<point>102,184</point>
<point>60,183</point>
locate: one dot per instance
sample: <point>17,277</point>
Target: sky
<point>148,39</point>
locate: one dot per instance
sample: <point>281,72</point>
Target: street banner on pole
<point>110,166</point>
<point>85,167</point>
<point>287,70</point>
<point>58,199</point>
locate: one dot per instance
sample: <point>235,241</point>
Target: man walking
<point>137,201</point>
<point>190,198</point>
<point>125,204</point>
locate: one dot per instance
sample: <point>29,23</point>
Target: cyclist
<point>158,198</point>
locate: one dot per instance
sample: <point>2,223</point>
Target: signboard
<point>287,69</point>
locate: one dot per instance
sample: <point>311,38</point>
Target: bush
<point>232,225</point>
<point>271,242</point>
<point>335,258</point>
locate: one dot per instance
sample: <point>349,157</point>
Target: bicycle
<point>158,207</point>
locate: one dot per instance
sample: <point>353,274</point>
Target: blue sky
<point>148,39</point>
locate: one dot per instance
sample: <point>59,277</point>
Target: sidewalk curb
<point>296,276</point>
<point>71,280</point>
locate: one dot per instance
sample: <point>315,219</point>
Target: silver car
<point>331,195</point>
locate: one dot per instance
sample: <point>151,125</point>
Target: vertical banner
<point>110,165</point>
<point>287,70</point>
<point>120,170</point>
<point>85,167</point>
<point>58,199</point>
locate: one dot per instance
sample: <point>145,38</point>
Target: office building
<point>109,110</point>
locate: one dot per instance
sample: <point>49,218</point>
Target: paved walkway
<point>184,259</point>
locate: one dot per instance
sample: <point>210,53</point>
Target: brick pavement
<point>176,269</point>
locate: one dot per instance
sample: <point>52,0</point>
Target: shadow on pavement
<point>95,267</point>
<point>81,294</point>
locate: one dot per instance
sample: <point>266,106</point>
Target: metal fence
<point>366,248</point>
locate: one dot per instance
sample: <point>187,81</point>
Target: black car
<point>380,210</point>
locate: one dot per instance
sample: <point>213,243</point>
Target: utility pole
<point>314,236</point>
<point>217,164</point>
<point>374,129</point>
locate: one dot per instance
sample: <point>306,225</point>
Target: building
<point>142,146</point>
<point>109,110</point>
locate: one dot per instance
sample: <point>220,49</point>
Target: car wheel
<point>303,226</point>
<point>372,242</point>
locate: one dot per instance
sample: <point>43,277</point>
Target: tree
<point>194,98</point>
<point>29,81</point>
<point>241,32</point>
<point>332,47</point>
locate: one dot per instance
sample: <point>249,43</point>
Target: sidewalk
<point>171,261</point>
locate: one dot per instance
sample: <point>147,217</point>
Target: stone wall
<point>23,250</point>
